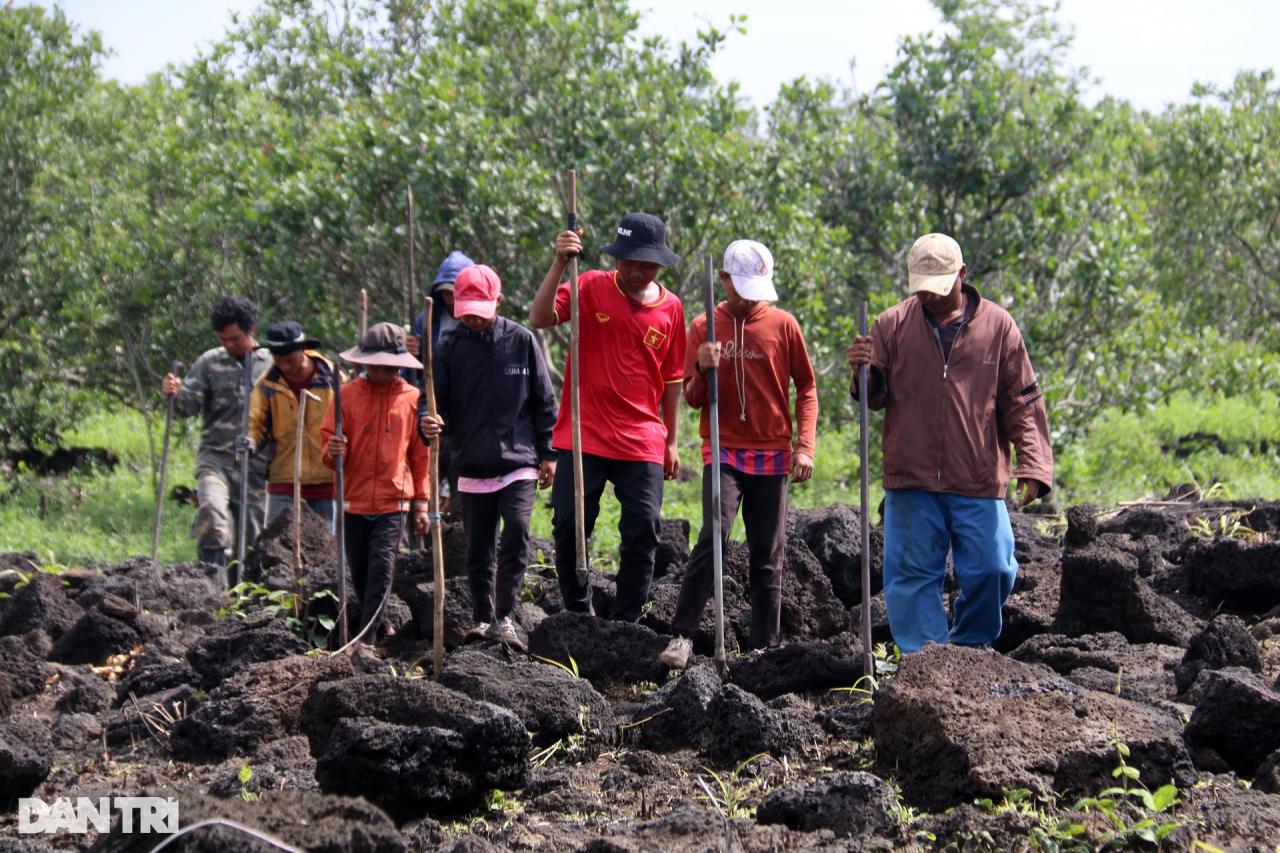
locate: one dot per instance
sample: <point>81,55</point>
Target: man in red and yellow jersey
<point>765,352</point>
<point>632,357</point>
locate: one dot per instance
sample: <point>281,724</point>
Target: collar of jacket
<point>757,311</point>
<point>971,294</point>
<point>323,377</point>
<point>498,330</point>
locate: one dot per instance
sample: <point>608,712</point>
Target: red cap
<point>476,292</point>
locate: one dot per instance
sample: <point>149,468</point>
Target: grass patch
<point>103,516</point>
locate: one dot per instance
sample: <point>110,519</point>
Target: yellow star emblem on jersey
<point>654,338</point>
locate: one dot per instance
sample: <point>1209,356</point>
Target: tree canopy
<point>1138,251</point>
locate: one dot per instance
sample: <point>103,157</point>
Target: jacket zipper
<point>946,363</point>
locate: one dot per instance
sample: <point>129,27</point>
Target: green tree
<point>46,68</point>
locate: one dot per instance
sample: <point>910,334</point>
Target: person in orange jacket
<point>385,467</point>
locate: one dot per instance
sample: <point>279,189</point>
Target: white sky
<point>1148,52</point>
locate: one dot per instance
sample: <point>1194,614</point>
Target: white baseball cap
<point>750,265</point>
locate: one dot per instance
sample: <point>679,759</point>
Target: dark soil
<point>134,679</point>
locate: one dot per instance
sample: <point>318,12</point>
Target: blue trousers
<point>919,528</point>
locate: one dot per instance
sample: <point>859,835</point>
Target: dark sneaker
<point>676,654</point>
<point>504,631</point>
<point>481,631</point>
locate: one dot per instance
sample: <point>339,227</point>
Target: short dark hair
<point>234,309</point>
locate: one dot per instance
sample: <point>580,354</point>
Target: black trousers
<point>480,515</point>
<point>372,543</point>
<point>763,499</point>
<point>638,486</point>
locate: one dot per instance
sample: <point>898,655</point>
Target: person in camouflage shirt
<point>214,388</point>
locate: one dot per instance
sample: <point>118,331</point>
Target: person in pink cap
<point>497,407</point>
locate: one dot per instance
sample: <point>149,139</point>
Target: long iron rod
<point>864,455</point>
<point>713,406</point>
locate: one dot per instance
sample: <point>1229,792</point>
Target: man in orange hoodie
<point>385,467</point>
<point>758,449</point>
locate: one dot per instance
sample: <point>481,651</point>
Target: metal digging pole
<point>242,522</point>
<point>579,518</point>
<point>868,660</point>
<point>340,519</point>
<point>174,368</point>
<point>433,511</point>
<point>713,406</point>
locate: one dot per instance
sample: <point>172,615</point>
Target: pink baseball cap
<point>476,292</point>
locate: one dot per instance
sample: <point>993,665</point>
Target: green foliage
<point>100,516</point>
<point>1134,249</point>
<point>296,609</point>
<point>244,777</point>
<point>1206,439</point>
<point>571,667</point>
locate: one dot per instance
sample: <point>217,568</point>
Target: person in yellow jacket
<point>273,419</point>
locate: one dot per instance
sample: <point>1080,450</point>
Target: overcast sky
<point>1148,52</point>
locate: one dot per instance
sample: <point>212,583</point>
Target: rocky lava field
<point>1141,652</point>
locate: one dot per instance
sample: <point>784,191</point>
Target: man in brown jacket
<point>951,372</point>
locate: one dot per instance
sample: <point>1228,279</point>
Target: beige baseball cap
<point>933,263</point>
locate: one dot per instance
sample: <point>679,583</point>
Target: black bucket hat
<point>285,337</point>
<point>642,237</point>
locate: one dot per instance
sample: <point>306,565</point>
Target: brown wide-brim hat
<point>384,345</point>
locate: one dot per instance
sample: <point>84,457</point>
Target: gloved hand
<point>245,444</point>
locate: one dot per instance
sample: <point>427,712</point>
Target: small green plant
<point>246,776</point>
<point>731,791</point>
<point>1119,804</point>
<point>571,746</point>
<point>864,689</point>
<point>888,657</point>
<point>571,667</point>
<point>296,610</point>
<point>412,673</point>
<point>641,689</point>
<point>1228,525</point>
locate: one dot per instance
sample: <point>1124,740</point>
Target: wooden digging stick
<point>175,368</point>
<point>713,406</point>
<point>868,660</point>
<point>433,511</point>
<point>575,399</point>
<point>410,285</point>
<point>364,313</point>
<point>299,436</point>
<point>340,527</point>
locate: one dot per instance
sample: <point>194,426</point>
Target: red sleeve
<point>585,282</point>
<point>673,360</point>
<point>806,391</point>
<point>562,300</point>
<point>695,384</point>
